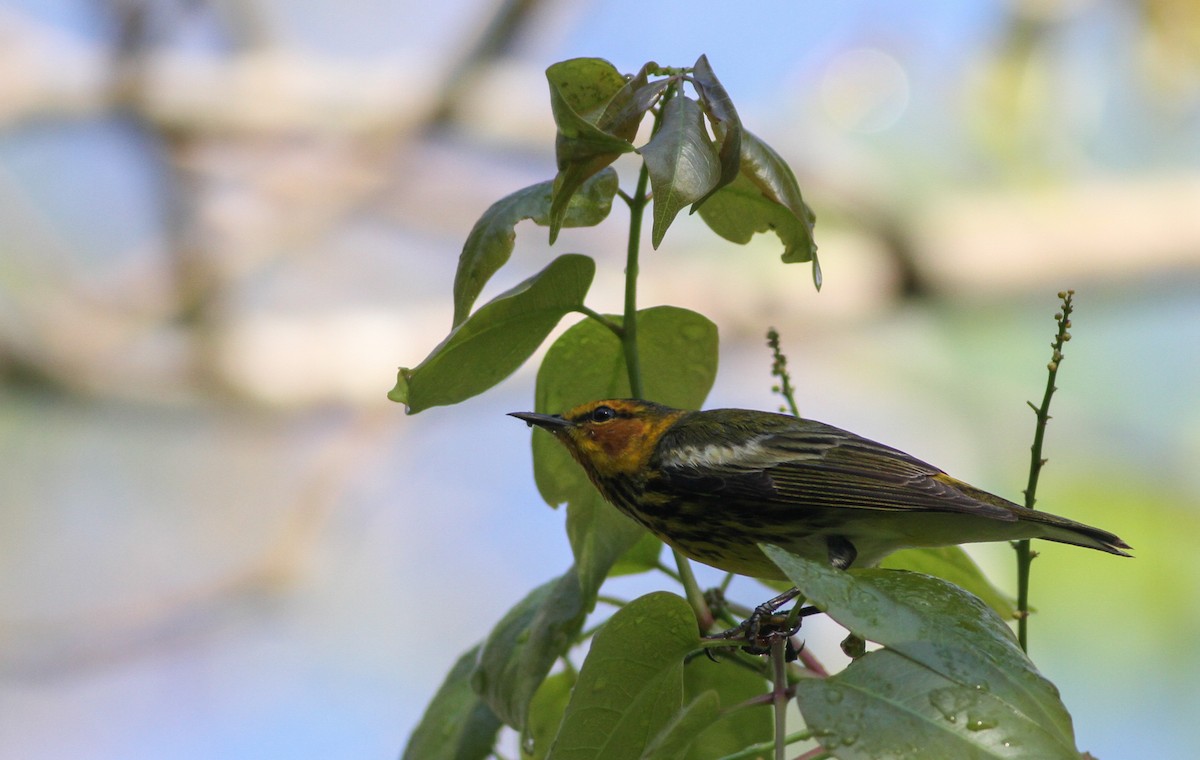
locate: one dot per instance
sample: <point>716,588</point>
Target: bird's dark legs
<point>764,624</point>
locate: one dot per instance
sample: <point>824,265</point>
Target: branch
<point>1024,554</point>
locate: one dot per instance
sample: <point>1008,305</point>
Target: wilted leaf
<point>727,125</point>
<point>490,243</point>
<point>494,341</point>
<point>682,162</point>
<point>628,107</point>
<point>581,90</point>
<point>764,197</point>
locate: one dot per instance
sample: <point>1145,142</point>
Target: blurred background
<point>224,224</point>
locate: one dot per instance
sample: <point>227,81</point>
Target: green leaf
<point>678,351</point>
<point>490,243</point>
<point>457,725</point>
<point>629,105</point>
<point>679,363</point>
<point>735,729</point>
<point>599,534</point>
<point>772,175</point>
<point>496,339</point>
<point>886,705</point>
<point>684,729</point>
<point>581,90</point>
<point>764,197</point>
<point>727,125</point>
<point>631,684</point>
<point>640,557</point>
<point>545,715</point>
<point>682,161</point>
<point>953,564</point>
<point>523,646</point>
<point>952,673</point>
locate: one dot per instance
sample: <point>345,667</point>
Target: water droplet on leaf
<point>976,723</point>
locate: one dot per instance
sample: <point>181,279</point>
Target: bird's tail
<point>1067,531</point>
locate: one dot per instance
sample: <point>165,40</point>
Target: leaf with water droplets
<point>631,684</point>
<point>545,715</point>
<point>913,713</point>
<point>684,729</point>
<point>948,659</point>
<point>953,564</point>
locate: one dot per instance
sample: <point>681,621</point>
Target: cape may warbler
<point>714,484</point>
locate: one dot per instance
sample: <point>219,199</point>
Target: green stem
<point>693,593</point>
<point>1025,554</point>
<point>779,370</point>
<point>615,328</point>
<point>778,646</point>
<point>660,567</point>
<point>611,600</point>
<point>757,750</point>
<point>637,209</point>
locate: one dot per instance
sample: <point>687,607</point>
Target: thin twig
<point>1025,555</point>
<point>779,370</point>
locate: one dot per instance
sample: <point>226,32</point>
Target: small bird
<point>714,484</point>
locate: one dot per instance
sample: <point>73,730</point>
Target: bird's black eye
<point>603,414</point>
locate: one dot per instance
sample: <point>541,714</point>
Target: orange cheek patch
<point>619,439</point>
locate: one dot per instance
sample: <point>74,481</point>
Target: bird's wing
<point>811,464</point>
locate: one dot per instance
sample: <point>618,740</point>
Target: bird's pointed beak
<point>551,422</point>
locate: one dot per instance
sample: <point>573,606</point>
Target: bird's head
<point>610,438</point>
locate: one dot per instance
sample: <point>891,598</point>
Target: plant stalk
<point>637,208</point>
<point>1025,554</point>
<point>629,344</point>
<point>779,665</point>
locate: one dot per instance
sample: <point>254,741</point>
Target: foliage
<point>949,675</point>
